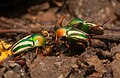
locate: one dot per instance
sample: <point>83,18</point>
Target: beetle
<point>26,43</point>
<point>72,34</point>
<point>86,26</point>
<point>31,41</point>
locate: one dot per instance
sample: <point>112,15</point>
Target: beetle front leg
<point>66,43</point>
<point>56,40</point>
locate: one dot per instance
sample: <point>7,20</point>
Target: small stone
<point>11,74</point>
<point>117,56</point>
<point>115,65</point>
<point>12,64</point>
<point>2,71</point>
<point>61,76</point>
<point>115,49</point>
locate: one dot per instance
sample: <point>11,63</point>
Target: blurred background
<point>49,10</point>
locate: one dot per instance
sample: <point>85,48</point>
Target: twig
<point>14,31</point>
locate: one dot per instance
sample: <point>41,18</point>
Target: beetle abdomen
<point>76,35</point>
<point>22,46</point>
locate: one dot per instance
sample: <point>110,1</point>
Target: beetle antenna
<point>105,22</point>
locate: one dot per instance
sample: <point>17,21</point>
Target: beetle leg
<point>46,32</point>
<point>89,39</point>
<point>36,51</point>
<point>35,55</point>
<point>17,57</point>
<point>45,51</point>
<point>82,44</point>
<point>61,20</point>
<point>21,62</point>
<point>56,40</point>
<point>67,44</point>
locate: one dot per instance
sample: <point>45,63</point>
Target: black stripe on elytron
<point>22,46</point>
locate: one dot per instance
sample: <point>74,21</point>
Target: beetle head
<point>97,30</point>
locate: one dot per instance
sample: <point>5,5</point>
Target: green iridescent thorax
<point>75,21</point>
<point>38,39</point>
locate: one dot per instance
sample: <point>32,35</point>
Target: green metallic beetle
<point>90,28</point>
<point>72,34</point>
<point>31,41</point>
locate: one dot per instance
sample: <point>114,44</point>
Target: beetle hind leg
<point>36,53</point>
<point>89,40</point>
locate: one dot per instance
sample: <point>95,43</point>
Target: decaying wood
<point>8,23</point>
<point>14,31</point>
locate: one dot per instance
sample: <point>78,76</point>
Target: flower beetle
<point>90,28</point>
<point>72,34</point>
<point>31,41</point>
<point>26,43</point>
